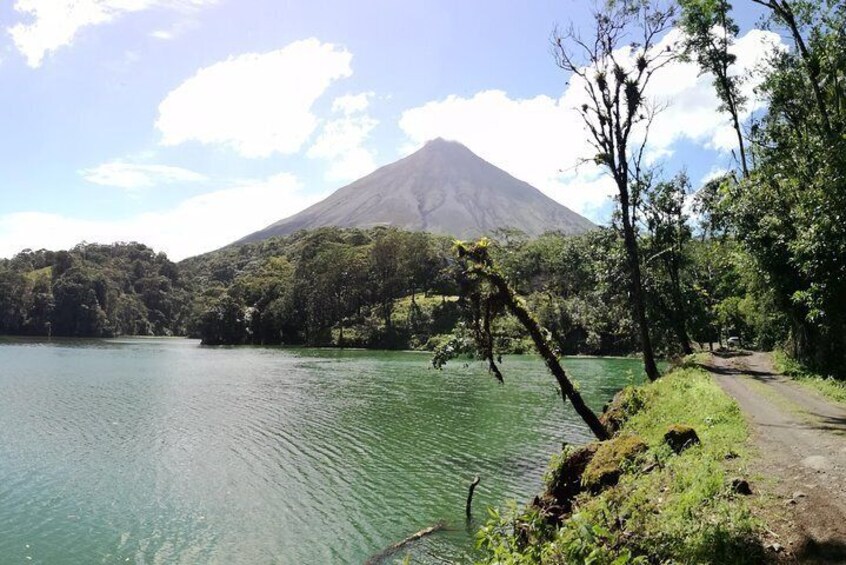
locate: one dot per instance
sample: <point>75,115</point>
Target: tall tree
<point>709,35</point>
<point>669,236</point>
<point>789,214</point>
<point>793,16</point>
<point>615,67</point>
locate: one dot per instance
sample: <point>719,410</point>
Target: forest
<point>386,288</point>
<point>91,290</point>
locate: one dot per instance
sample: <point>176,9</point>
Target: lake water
<point>163,451</point>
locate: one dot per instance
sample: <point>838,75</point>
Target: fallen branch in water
<point>470,495</point>
<point>399,545</point>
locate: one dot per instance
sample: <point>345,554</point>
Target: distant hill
<point>443,188</point>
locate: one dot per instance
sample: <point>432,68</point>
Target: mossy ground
<point>610,459</point>
<point>682,510</point>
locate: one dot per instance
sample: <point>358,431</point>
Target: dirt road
<point>800,472</point>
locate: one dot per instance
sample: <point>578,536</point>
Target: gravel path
<point>800,474</point>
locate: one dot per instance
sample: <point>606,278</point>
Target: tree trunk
<point>679,314</point>
<point>638,299</point>
<point>740,142</point>
<point>387,308</point>
<point>732,103</point>
<point>639,304</point>
<point>681,335</point>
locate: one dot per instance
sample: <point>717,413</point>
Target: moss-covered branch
<point>498,295</point>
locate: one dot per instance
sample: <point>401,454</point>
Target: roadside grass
<point>828,386</point>
<point>666,507</point>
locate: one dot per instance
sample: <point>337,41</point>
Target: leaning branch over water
<point>495,296</point>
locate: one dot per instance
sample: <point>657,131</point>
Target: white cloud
<point>135,176</point>
<point>341,140</point>
<point>542,140</point>
<point>352,103</point>
<point>692,111</point>
<point>55,23</point>
<point>175,30</point>
<point>196,225</point>
<point>163,34</point>
<point>259,103</point>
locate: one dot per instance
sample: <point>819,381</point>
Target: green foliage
<point>394,289</point>
<point>682,511</point>
<point>670,286</point>
<point>329,287</point>
<point>576,286</point>
<point>789,213</point>
<point>91,291</point>
<point>828,386</point>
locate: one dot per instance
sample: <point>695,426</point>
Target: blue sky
<point>186,124</point>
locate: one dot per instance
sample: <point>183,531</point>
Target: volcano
<point>442,188</point>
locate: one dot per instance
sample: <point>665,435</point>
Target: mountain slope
<point>442,188</point>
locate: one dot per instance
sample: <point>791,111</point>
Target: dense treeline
<point>368,288</point>
<point>387,288</point>
<point>91,291</point>
<point>787,204</point>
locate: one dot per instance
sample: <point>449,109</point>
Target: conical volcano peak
<point>442,188</point>
<point>441,146</point>
<point>441,143</point>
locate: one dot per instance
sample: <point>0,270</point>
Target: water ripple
<point>159,451</point>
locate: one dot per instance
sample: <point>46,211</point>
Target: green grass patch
<point>665,507</point>
<point>46,272</point>
<point>402,306</point>
<point>828,386</point>
<point>694,359</point>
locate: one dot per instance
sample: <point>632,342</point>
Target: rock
<point>679,437</point>
<point>776,547</point>
<point>565,481</point>
<point>799,494</point>
<point>606,466</point>
<point>741,486</point>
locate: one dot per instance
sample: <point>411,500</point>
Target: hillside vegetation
<point>389,288</point>
<point>91,291</point>
<point>380,288</point>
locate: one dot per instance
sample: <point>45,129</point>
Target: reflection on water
<point>162,451</point>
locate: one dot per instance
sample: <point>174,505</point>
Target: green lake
<point>163,451</point>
